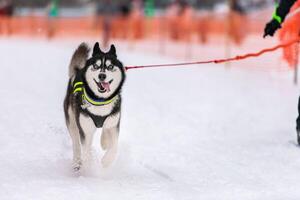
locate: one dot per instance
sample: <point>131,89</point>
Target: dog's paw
<point>104,144</point>
<point>108,158</point>
<point>76,166</point>
<point>106,162</point>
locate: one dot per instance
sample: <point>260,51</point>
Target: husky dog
<point>93,100</point>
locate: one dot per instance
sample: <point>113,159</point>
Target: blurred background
<point>194,22</point>
<point>198,132</point>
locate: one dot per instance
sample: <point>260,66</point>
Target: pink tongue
<point>106,86</point>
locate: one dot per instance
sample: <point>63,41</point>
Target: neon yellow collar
<point>86,99</point>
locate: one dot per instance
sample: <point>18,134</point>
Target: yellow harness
<point>78,87</point>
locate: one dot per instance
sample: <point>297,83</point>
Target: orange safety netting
<point>291,30</point>
<point>182,28</point>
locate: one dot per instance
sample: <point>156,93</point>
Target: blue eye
<point>110,67</point>
<point>95,66</point>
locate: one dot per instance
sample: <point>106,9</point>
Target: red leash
<point>241,57</point>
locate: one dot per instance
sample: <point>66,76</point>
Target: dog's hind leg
<point>109,139</point>
<point>88,128</point>
<point>74,133</point>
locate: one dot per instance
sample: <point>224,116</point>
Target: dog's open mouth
<point>103,86</point>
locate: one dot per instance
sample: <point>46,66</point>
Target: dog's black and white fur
<point>100,78</point>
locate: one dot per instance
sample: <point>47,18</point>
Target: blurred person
<point>149,8</point>
<point>236,6</point>
<point>124,10</point>
<point>136,19</point>
<point>53,8</point>
<point>124,13</point>
<point>180,16</point>
<point>172,14</point>
<point>186,19</point>
<point>2,8</point>
<point>6,11</point>
<point>52,13</point>
<point>107,9</point>
<point>281,11</point>
<point>236,19</point>
<point>6,8</point>
<point>291,30</point>
<point>203,28</point>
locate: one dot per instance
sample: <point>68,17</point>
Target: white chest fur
<point>103,110</point>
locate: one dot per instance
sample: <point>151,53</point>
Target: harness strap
<point>96,102</point>
<point>78,87</point>
<point>86,101</point>
<point>98,120</point>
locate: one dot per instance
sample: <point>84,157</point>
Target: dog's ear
<point>112,50</point>
<point>97,49</point>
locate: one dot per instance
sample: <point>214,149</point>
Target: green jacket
<point>282,10</point>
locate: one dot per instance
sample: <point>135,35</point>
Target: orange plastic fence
<point>180,28</point>
<point>291,29</point>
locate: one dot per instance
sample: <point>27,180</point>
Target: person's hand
<point>271,28</point>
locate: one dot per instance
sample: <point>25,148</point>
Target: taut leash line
<point>236,58</point>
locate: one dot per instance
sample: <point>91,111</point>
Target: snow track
<point>197,133</point>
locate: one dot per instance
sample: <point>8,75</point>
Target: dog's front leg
<point>75,136</point>
<point>109,139</point>
<point>88,128</point>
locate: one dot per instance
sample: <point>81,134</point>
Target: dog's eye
<point>110,67</point>
<point>95,66</point>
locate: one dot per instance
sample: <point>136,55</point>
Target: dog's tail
<point>78,59</point>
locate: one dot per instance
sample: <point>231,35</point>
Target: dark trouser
<point>298,118</point>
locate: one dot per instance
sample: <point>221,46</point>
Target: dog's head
<point>104,73</point>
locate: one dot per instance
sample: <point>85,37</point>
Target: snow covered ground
<point>187,133</point>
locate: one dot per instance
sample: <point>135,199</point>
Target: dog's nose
<point>102,77</point>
